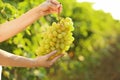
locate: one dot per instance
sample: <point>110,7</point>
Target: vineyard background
<point>94,55</point>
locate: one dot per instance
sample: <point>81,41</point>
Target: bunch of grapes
<point>56,37</point>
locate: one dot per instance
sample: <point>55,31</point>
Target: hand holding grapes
<point>43,60</point>
<point>51,6</point>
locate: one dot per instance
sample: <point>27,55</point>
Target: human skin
<point>11,28</point>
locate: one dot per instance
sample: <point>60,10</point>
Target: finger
<point>61,8</point>
<point>56,58</point>
<point>51,54</point>
<point>55,2</point>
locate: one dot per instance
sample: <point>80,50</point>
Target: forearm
<point>8,59</point>
<point>13,27</point>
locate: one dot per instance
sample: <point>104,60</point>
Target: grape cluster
<point>56,37</point>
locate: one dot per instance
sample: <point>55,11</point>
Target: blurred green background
<point>94,55</point>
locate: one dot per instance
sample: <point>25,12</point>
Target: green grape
<point>59,30</point>
<point>56,37</point>
<point>48,50</point>
<point>57,45</point>
<point>59,36</point>
<point>62,46</point>
<point>46,41</point>
<point>55,33</point>
<point>52,48</point>
<point>64,34</point>
<point>46,46</point>
<point>62,41</point>
<point>52,43</point>
<point>67,47</point>
<point>54,24</point>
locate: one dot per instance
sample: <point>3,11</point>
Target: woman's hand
<point>43,61</point>
<point>51,6</point>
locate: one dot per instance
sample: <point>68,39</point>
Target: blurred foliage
<point>94,33</point>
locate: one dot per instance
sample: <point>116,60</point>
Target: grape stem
<point>59,13</point>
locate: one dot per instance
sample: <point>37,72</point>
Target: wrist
<point>35,63</point>
<point>37,11</point>
<point>32,63</point>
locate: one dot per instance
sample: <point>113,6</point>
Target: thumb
<point>51,54</point>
